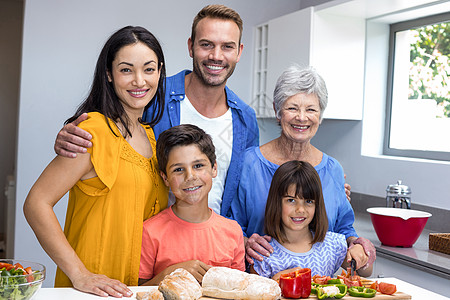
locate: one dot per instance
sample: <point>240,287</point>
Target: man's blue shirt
<point>245,130</point>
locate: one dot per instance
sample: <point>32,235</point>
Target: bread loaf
<point>154,294</point>
<point>180,285</point>
<point>226,283</point>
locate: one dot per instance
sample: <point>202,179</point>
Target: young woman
<point>296,220</point>
<point>115,186</point>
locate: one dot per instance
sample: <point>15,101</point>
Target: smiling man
<point>201,97</point>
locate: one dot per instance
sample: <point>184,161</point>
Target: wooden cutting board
<point>378,296</point>
<point>366,282</point>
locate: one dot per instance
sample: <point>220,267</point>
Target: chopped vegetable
<point>350,280</point>
<point>384,288</point>
<point>374,285</point>
<point>360,291</point>
<point>321,279</point>
<point>296,284</point>
<point>335,291</point>
<point>17,283</point>
<point>387,288</point>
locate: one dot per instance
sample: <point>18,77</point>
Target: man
<point>201,97</point>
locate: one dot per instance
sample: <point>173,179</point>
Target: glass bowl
<point>15,286</point>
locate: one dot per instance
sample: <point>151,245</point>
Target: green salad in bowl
<point>20,279</point>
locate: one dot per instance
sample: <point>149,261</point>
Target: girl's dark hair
<point>102,96</point>
<point>307,184</point>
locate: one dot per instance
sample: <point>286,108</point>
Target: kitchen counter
<point>419,256</point>
<point>416,292</point>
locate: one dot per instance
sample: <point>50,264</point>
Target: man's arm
<point>72,140</point>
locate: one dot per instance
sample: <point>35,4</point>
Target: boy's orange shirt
<point>169,240</point>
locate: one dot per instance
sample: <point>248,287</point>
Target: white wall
<point>357,144</point>
<point>61,42</point>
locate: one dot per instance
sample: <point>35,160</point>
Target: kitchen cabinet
<point>331,43</point>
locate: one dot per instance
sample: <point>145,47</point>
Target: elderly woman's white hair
<point>297,80</point>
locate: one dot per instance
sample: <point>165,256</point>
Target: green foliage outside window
<point>430,65</point>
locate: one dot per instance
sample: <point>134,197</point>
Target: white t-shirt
<point>221,131</point>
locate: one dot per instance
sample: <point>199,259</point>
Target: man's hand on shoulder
<point>72,140</point>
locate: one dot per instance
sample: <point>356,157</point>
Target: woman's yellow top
<point>105,214</point>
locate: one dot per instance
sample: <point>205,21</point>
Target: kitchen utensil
<point>396,226</point>
<point>397,195</point>
<point>21,287</point>
<point>352,267</point>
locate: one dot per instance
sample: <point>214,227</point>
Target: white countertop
<point>416,292</point>
<point>419,256</point>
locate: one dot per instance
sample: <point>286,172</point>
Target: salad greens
<point>17,283</point>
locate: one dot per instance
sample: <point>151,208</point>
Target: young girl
<point>296,220</point>
<point>116,185</point>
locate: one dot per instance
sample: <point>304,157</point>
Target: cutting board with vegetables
<point>378,296</point>
<point>365,282</point>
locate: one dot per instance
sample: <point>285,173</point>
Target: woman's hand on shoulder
<point>257,244</point>
<point>101,285</point>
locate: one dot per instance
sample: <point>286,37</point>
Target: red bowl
<point>398,227</point>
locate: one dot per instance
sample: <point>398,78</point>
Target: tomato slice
<point>18,266</point>
<point>374,286</point>
<point>387,288</point>
<point>5,265</point>
<point>321,279</point>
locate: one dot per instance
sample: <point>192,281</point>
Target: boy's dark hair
<point>183,135</point>
<point>307,183</point>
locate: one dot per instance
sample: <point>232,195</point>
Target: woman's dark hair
<point>306,181</point>
<point>102,96</point>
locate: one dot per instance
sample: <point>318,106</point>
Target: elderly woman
<point>300,98</point>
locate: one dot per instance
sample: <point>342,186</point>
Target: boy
<point>188,234</point>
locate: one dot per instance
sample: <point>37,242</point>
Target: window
<point>418,116</point>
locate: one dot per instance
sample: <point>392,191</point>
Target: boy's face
<point>189,174</point>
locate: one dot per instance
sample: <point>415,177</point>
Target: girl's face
<point>297,213</point>
<point>135,75</point>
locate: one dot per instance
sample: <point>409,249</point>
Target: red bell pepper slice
<point>296,284</point>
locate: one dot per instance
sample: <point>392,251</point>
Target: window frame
<point>393,28</point>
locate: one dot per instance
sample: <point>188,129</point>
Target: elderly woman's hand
<point>364,253</point>
<point>257,243</point>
